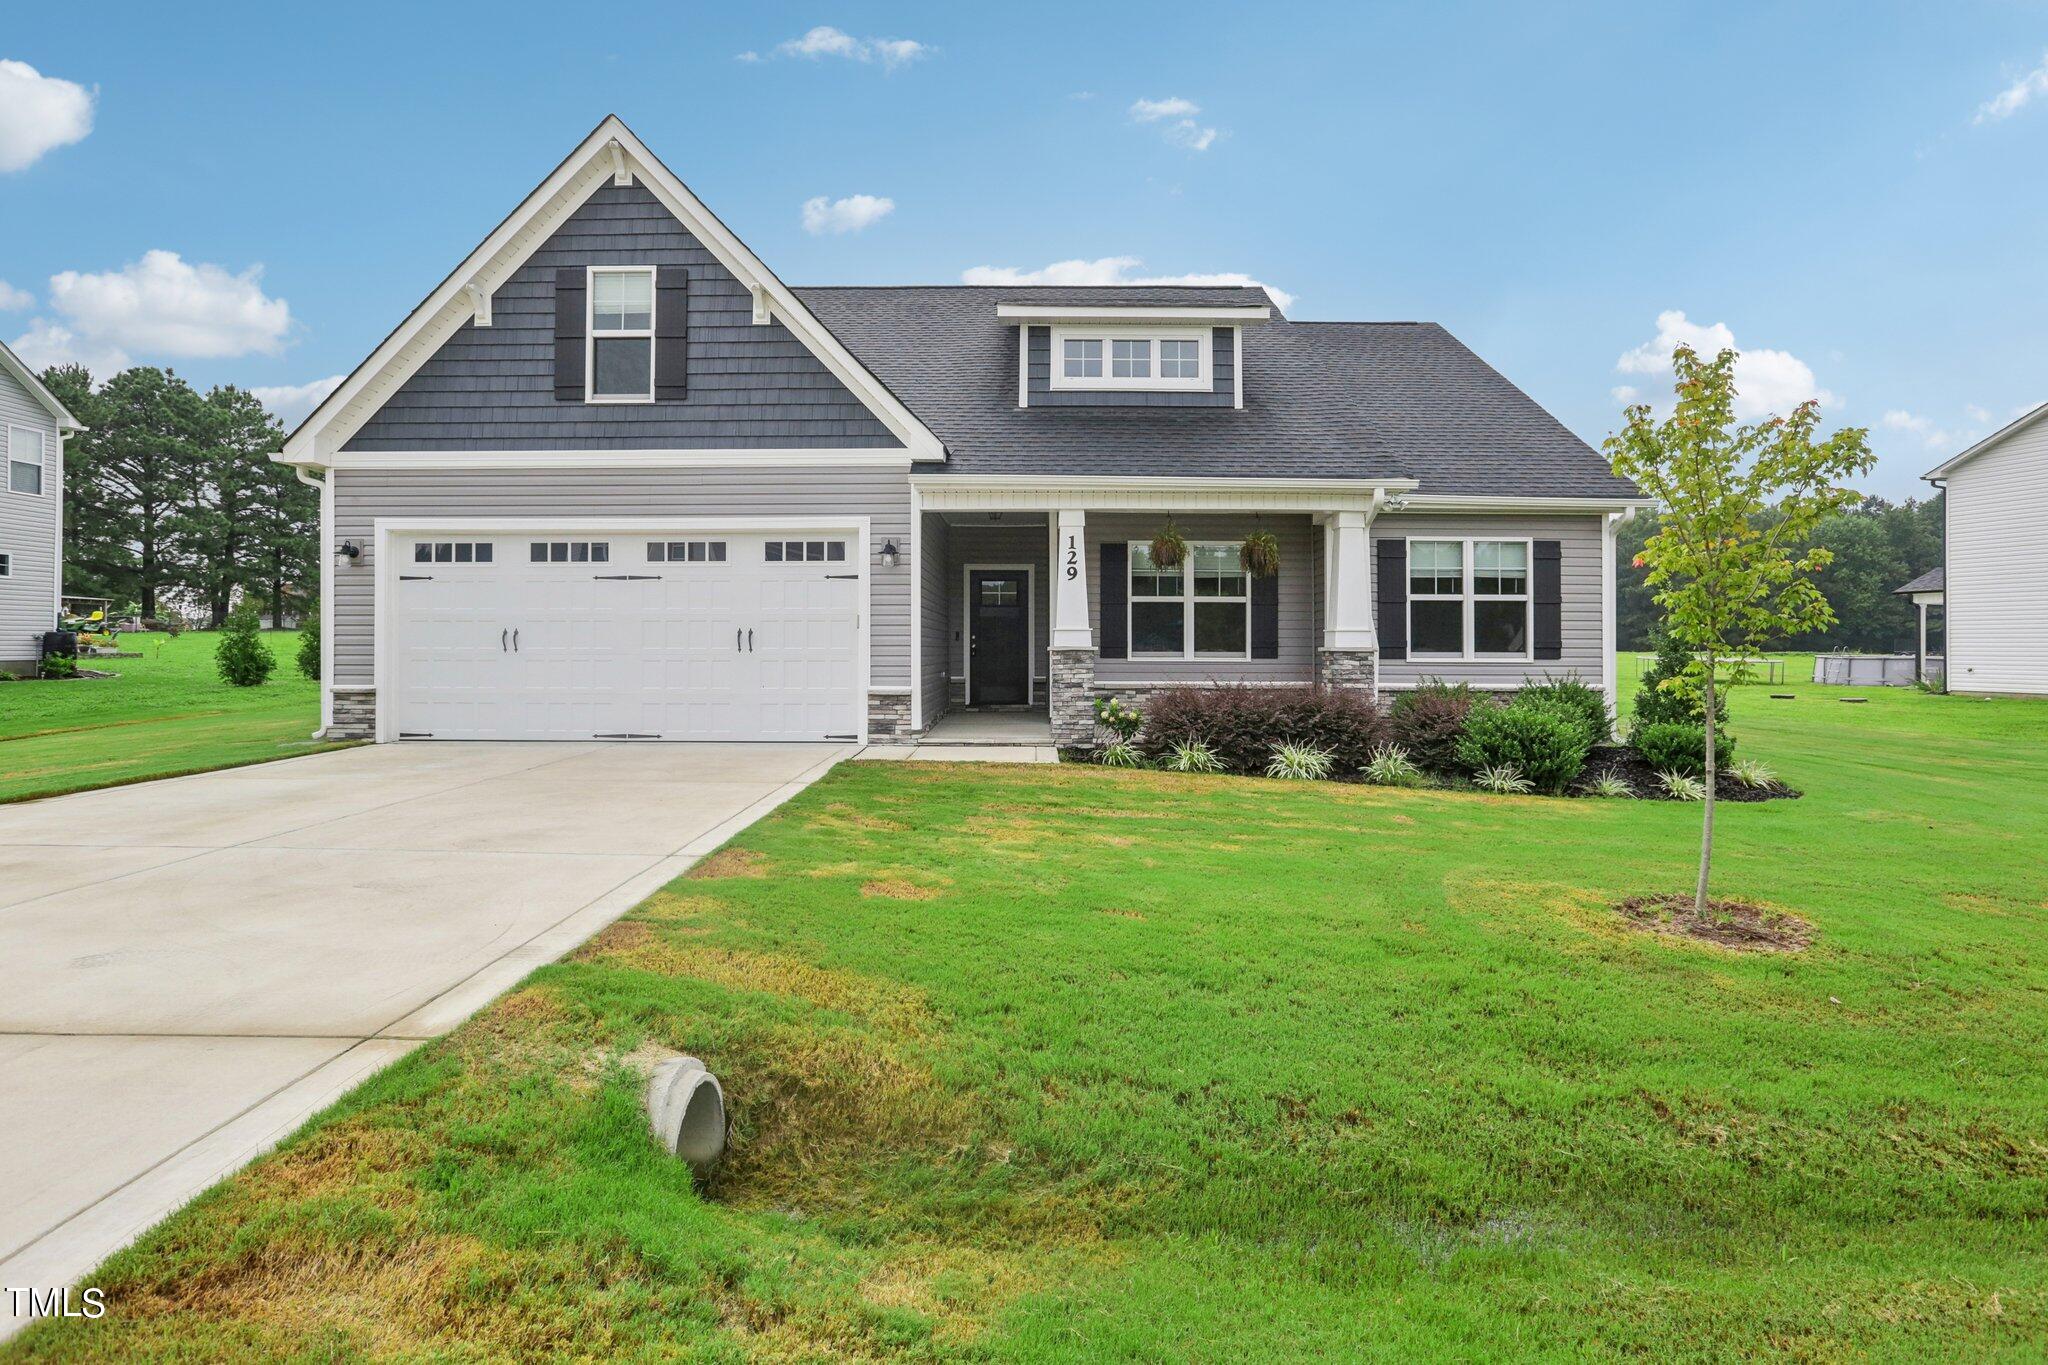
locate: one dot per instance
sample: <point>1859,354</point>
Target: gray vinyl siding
<point>934,537</point>
<point>881,495</point>
<point>1025,543</point>
<point>1296,535</point>
<point>28,534</point>
<point>493,388</point>
<point>1580,547</point>
<point>1222,374</point>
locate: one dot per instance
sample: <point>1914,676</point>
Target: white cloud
<point>1112,270</point>
<point>47,343</point>
<point>12,299</point>
<point>38,113</point>
<point>2016,96</point>
<point>851,214</point>
<point>1935,436</point>
<point>1176,115</point>
<point>1766,381</point>
<point>1624,394</point>
<point>288,403</point>
<point>827,41</point>
<point>1980,415</point>
<point>161,306</point>
<point>748,56</point>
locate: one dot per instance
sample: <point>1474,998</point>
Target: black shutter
<point>1266,617</point>
<point>1549,599</point>
<point>1116,590</point>
<point>1390,578</point>
<point>671,333</point>
<point>570,315</point>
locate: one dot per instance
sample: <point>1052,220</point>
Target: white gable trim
<point>597,160</point>
<point>2012,428</point>
<point>26,377</point>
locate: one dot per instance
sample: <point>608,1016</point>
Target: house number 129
<point>1073,559</point>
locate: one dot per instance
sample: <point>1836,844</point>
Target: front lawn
<point>167,713</point>
<point>1071,1063</point>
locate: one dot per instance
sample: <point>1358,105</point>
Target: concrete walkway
<point>191,968</point>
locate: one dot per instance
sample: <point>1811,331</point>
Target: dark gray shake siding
<point>882,495</point>
<point>1579,541</point>
<point>492,388</point>
<point>1222,374</point>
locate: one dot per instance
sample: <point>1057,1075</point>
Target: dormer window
<point>1123,358</point>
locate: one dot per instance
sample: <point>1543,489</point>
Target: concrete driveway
<point>190,968</point>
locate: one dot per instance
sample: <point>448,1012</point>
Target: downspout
<point>1948,639</point>
<point>1610,608</point>
<point>326,487</point>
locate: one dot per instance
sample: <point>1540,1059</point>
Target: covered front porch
<point>1033,602</point>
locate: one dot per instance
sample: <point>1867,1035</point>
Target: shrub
<point>1568,697</point>
<point>1682,786</point>
<point>1502,779</point>
<point>1300,762</point>
<point>1546,748</point>
<point>1657,704</point>
<point>1241,724</point>
<point>1122,754</point>
<point>241,656</point>
<point>308,657</point>
<point>1390,766</point>
<point>1609,784</point>
<point>59,666</point>
<point>1428,721</point>
<point>1680,747</point>
<point>1193,756</point>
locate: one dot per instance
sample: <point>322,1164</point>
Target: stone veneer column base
<point>1349,669</point>
<point>355,716</point>
<point>1071,697</point>
<point>889,718</point>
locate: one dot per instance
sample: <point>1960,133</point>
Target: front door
<point>998,637</point>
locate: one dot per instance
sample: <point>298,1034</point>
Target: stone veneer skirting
<point>1346,668</point>
<point>355,716</point>
<point>1070,696</point>
<point>889,718</point>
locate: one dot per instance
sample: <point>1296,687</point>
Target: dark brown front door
<point>998,637</point>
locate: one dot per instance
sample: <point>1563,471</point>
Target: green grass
<point>1053,1064</point>
<point>167,713</point>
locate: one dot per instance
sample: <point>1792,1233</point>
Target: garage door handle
<point>736,635</point>
<point>501,640</point>
<point>750,642</point>
<point>515,642</point>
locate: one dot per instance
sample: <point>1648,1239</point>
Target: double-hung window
<point>24,460</point>
<point>621,360</point>
<point>1124,358</point>
<point>1198,609</point>
<point>1468,598</point>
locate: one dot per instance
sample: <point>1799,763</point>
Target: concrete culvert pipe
<point>686,1107</point>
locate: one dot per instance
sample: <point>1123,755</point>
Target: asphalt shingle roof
<point>1934,580</point>
<point>1361,400</point>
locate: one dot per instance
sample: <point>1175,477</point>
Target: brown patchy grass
<point>730,862</point>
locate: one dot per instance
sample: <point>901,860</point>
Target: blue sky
<point>1856,193</point>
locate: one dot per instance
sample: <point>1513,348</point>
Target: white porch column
<point>1347,624</point>
<point>1070,571</point>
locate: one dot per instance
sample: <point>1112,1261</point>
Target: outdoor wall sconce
<point>347,553</point>
<point>889,554</point>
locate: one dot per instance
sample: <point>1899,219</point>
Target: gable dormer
<point>1130,355</point>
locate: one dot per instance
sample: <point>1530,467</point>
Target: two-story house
<point>33,424</point>
<point>613,478</point>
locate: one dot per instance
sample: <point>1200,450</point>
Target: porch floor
<point>991,727</point>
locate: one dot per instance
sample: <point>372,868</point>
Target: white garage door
<point>696,635</point>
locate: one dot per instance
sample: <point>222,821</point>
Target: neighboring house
<point>1994,577</point>
<point>33,425</point>
<point>613,478</point>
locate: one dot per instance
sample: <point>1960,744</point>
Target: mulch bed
<point>1630,766</point>
<point>1731,924</point>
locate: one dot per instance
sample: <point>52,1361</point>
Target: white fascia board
<point>1473,503</point>
<point>2012,428</point>
<point>728,458</point>
<point>516,238</point>
<point>26,377</point>
<point>1039,312</point>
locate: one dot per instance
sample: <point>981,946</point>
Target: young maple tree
<point>1729,577</point>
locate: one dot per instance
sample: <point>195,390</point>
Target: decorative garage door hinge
<point>626,577</point>
<point>842,736</point>
<point>843,575</point>
<point>415,734</point>
<point>627,735</point>
<point>415,578</point>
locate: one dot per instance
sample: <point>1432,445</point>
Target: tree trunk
<point>1699,895</point>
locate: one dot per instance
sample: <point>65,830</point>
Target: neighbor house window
<point>1198,609</point>
<point>1468,598</point>
<point>621,365</point>
<point>24,460</point>
<point>1127,359</point>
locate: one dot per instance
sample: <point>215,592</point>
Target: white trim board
<point>1123,313</point>
<point>610,150</point>
<point>778,457</point>
<point>26,377</point>
<point>2012,428</point>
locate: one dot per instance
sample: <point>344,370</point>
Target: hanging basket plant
<point>1259,556</point>
<point>1169,547</point>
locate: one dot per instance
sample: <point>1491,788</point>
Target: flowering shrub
<point>1120,720</point>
